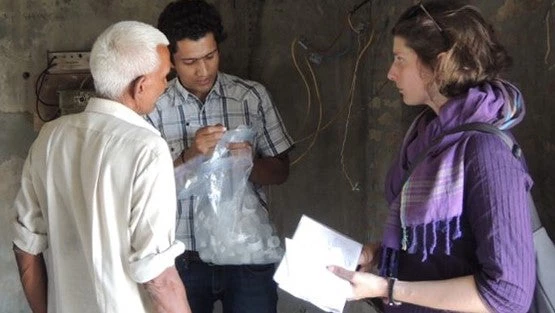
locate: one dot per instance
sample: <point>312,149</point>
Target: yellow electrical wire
<point>347,106</point>
<point>351,96</point>
<point>334,118</point>
<point>548,36</point>
<point>315,82</point>
<point>303,77</point>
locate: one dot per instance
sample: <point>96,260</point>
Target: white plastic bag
<point>231,226</point>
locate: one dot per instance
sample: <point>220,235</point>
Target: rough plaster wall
<point>259,47</point>
<point>16,135</point>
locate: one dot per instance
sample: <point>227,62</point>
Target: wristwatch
<point>390,283</point>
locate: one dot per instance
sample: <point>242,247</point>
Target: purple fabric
<point>432,196</point>
<point>465,211</point>
<point>496,243</point>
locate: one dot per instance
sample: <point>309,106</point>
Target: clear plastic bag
<point>231,226</point>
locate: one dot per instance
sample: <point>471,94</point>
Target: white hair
<point>124,51</point>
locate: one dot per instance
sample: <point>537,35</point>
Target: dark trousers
<point>241,288</point>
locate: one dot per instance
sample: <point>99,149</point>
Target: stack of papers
<point>303,272</point>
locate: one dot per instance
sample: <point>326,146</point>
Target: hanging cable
<point>343,107</point>
<point>320,106</point>
<point>548,33</point>
<point>303,77</point>
<point>348,104</point>
<point>358,6</point>
<point>39,82</point>
<point>354,187</point>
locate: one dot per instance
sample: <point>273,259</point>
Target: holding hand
<point>365,285</point>
<point>204,143</point>
<point>206,139</point>
<point>243,148</point>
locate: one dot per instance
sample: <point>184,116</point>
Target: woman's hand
<point>365,285</point>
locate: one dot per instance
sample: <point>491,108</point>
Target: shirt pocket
<point>176,147</point>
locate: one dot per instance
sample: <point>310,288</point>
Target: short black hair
<point>190,19</point>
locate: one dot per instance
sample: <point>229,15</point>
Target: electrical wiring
<point>348,22</point>
<point>354,187</point>
<point>37,109</point>
<point>343,108</point>
<point>548,33</point>
<point>319,127</point>
<point>84,81</point>
<point>38,87</point>
<point>334,41</point>
<point>314,80</point>
<point>358,6</point>
<point>40,81</point>
<point>303,77</point>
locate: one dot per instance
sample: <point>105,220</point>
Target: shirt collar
<point>118,110</point>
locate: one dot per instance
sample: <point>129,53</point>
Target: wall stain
<point>386,119</point>
<point>513,8</point>
<point>375,135</point>
<point>10,171</point>
<point>101,6</point>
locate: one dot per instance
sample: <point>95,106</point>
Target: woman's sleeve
<point>496,196</point>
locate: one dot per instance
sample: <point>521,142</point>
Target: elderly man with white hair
<point>95,216</point>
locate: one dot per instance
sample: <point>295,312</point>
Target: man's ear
<point>138,86</point>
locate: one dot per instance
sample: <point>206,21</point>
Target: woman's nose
<point>390,74</point>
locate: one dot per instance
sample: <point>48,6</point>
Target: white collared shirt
<point>97,199</point>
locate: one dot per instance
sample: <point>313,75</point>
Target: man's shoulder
<point>236,83</point>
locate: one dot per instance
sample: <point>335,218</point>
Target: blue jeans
<point>241,288</point>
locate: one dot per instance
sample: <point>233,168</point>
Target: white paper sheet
<point>303,272</point>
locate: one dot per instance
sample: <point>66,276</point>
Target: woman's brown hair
<point>470,51</point>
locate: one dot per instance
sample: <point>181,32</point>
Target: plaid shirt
<point>232,102</point>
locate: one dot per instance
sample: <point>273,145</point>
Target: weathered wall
<point>338,177</point>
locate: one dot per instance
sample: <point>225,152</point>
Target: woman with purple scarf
<point>458,235</point>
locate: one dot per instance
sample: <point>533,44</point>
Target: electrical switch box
<point>74,101</point>
<point>68,62</point>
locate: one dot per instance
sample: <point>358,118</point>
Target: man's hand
<point>243,148</point>
<point>204,143</point>
<point>206,139</point>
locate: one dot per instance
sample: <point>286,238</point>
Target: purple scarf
<point>430,203</point>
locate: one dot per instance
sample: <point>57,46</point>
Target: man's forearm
<point>270,170</point>
<point>185,156</point>
<point>32,272</point>
<point>168,293</point>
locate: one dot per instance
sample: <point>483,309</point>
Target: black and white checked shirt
<point>231,102</point>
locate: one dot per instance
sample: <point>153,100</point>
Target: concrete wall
<point>338,177</point>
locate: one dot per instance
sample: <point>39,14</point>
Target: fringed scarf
<point>429,204</point>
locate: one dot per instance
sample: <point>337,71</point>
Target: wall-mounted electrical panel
<point>60,62</point>
<point>74,101</point>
